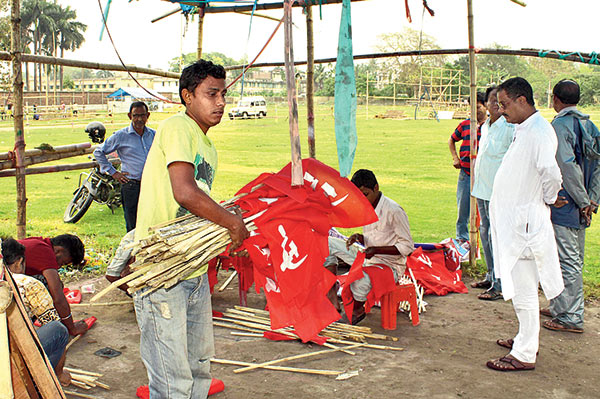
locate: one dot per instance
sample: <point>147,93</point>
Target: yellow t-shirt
<point>178,139</point>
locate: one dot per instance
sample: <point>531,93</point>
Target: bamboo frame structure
<point>15,44</point>
<point>473,137</point>
<point>310,82</point>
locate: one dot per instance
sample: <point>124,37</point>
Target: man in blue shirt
<point>578,157</point>
<point>132,145</point>
<point>496,136</point>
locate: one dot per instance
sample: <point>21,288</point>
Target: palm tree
<point>36,18</point>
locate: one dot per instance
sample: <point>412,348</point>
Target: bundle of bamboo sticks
<point>257,321</point>
<point>85,379</point>
<point>174,250</point>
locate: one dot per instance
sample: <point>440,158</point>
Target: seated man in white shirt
<point>387,242</point>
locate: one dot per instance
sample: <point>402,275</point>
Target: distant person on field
<point>53,335</point>
<point>496,137</point>
<point>132,144</point>
<point>578,157</point>
<point>525,254</point>
<point>461,161</point>
<point>44,257</point>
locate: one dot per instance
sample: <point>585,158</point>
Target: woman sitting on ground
<point>53,335</point>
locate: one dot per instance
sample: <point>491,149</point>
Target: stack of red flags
<point>290,244</point>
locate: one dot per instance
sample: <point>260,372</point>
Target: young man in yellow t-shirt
<point>176,324</point>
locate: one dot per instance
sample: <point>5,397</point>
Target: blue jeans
<point>177,341</point>
<point>54,338</point>
<point>486,242</point>
<point>463,198</point>
<point>130,195</point>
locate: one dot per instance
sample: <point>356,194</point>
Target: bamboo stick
<point>115,303</point>
<point>10,164</point>
<point>219,324</point>
<point>280,368</point>
<point>79,371</point>
<point>267,327</point>
<point>72,342</point>
<point>229,280</point>
<point>58,149</point>
<point>245,334</point>
<point>79,395</point>
<point>295,357</point>
<point>56,168</point>
<point>370,346</point>
<point>80,384</point>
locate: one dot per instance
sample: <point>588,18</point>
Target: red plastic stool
<point>390,302</point>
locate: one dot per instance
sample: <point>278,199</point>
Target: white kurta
<point>526,183</point>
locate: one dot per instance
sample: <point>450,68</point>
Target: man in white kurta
<point>526,185</point>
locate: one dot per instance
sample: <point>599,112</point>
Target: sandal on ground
<point>483,284</point>
<point>557,325</point>
<point>546,312</point>
<point>506,343</point>
<point>509,364</point>
<point>491,295</point>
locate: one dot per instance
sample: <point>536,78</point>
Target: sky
<point>543,24</point>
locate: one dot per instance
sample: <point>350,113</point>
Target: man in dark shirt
<point>44,256</point>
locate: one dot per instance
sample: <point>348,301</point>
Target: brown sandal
<point>509,364</point>
<point>483,284</point>
<point>506,343</point>
<point>556,325</point>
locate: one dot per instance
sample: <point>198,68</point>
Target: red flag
<point>350,207</point>
<point>430,271</point>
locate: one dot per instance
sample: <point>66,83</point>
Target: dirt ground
<point>443,357</point>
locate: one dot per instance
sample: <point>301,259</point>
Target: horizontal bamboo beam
<point>57,168</point>
<point>44,59</point>
<point>264,6</point>
<point>585,58</point>
<point>57,149</point>
<point>47,157</point>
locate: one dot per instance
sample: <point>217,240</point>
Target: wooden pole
<point>310,81</point>
<point>15,43</point>
<point>56,168</point>
<point>473,136</point>
<point>297,176</point>
<point>200,29</point>
<point>45,158</point>
<point>536,53</point>
<point>584,58</point>
<point>56,150</point>
<point>367,97</point>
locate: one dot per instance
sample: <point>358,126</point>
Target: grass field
<point>409,157</point>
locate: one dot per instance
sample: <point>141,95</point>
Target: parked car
<point>249,107</point>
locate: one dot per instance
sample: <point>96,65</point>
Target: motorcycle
<point>93,185</point>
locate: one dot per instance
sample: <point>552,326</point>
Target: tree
<point>407,69</point>
<point>215,57</point>
<point>104,74</point>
